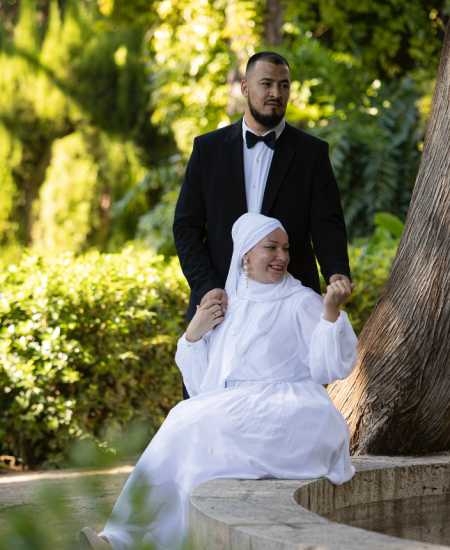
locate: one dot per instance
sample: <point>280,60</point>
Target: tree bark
<point>274,22</point>
<point>397,399</point>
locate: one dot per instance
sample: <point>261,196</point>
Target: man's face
<point>267,91</point>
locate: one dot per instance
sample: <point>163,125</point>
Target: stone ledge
<point>228,514</point>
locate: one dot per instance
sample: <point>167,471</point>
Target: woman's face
<point>268,260</point>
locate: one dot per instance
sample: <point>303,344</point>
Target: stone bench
<point>289,514</point>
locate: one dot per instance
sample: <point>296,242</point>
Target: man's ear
<point>244,88</point>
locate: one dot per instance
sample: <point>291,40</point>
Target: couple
<point>259,348</point>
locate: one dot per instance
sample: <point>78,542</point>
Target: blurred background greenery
<point>100,102</point>
<point>99,106</point>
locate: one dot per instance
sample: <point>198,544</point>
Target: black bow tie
<point>252,139</point>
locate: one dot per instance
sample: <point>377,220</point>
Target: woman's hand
<point>206,317</point>
<point>216,294</point>
<point>337,294</point>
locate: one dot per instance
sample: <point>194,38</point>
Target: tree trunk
<point>397,399</point>
<point>274,22</point>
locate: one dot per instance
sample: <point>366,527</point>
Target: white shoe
<point>89,540</point>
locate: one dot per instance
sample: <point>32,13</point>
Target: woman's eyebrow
<point>276,242</point>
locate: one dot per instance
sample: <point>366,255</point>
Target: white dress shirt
<point>257,161</point>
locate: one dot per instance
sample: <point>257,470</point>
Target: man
<point>260,164</point>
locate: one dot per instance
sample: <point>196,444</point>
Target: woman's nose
<point>283,255</point>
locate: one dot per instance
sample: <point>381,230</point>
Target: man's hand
<point>217,294</point>
<point>339,277</point>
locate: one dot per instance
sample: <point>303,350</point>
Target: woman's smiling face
<point>268,260</point>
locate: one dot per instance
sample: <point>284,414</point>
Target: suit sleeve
<point>189,230</point>
<point>327,224</point>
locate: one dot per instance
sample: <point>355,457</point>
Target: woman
<point>258,408</point>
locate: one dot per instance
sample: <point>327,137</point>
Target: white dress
<point>270,416</point>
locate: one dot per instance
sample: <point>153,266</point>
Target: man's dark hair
<point>269,57</point>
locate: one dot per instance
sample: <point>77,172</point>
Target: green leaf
<point>389,222</point>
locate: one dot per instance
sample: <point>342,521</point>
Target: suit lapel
<point>234,156</point>
<point>281,160</point>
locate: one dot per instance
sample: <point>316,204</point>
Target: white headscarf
<point>248,231</point>
<point>243,324</point>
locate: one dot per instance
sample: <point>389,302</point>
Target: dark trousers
<point>185,393</point>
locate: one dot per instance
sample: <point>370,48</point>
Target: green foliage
<point>325,85</point>
<point>136,14</point>
<point>65,217</point>
<point>87,347</point>
<point>88,170</point>
<point>94,69</point>
<point>10,155</point>
<point>375,154</point>
<point>191,54</point>
<point>388,231</point>
<point>75,80</point>
<point>391,38</point>
<point>390,223</point>
<point>154,229</point>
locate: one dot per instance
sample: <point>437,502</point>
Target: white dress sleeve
<point>330,347</point>
<point>192,360</point>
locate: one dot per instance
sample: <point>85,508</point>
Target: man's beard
<point>268,121</point>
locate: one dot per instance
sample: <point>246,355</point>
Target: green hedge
<point>87,348</point>
<point>87,345</point>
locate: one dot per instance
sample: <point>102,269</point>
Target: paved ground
<point>61,501</point>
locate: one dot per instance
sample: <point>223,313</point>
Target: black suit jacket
<point>301,192</point>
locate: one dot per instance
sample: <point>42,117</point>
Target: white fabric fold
<point>198,347</point>
<point>337,359</point>
<point>192,360</point>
